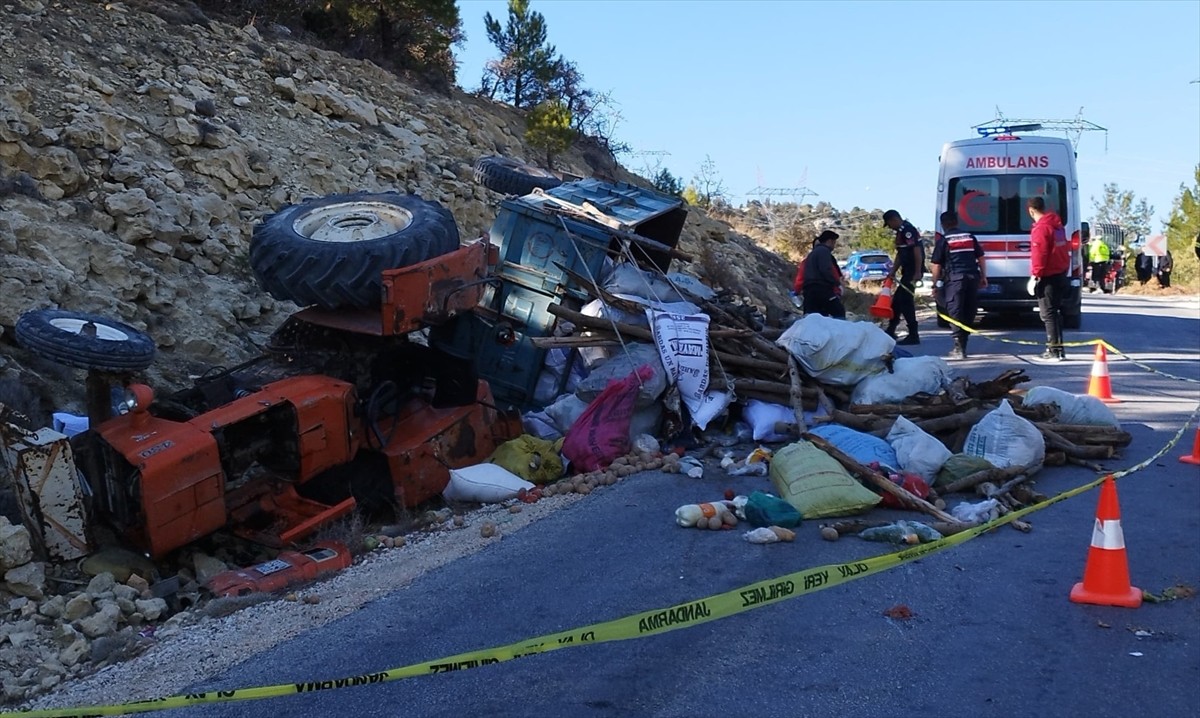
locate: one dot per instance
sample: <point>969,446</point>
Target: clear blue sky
<point>855,99</point>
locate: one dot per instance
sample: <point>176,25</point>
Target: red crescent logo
<point>964,205</point>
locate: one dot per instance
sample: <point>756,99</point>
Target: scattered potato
<point>487,530</point>
<point>714,522</point>
<point>829,533</point>
<point>583,489</point>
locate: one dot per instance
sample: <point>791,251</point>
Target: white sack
<point>836,351</point>
<point>912,375</point>
<point>682,342</point>
<point>692,288</point>
<point>1005,439</point>
<point>1073,408</point>
<point>762,417</point>
<point>484,483</point>
<point>918,452</point>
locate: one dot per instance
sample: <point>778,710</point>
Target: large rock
<point>121,563</point>
<point>15,547</point>
<point>28,580</point>
<point>102,623</point>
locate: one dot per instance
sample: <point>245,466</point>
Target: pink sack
<point>601,433</point>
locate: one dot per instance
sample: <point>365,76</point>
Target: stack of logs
<point>748,361</point>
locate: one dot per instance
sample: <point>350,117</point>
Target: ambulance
<point>987,181</point>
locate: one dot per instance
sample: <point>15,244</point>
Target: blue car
<point>867,266</point>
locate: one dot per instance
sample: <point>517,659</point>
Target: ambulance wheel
<point>331,251</point>
<point>87,341</point>
<point>506,176</point>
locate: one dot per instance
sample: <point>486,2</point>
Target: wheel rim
<point>352,222</point>
<point>104,331</point>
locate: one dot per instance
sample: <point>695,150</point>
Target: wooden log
<point>1055,458</point>
<point>1073,450</point>
<point>868,423</point>
<point>824,402</point>
<point>867,474</point>
<point>1085,463</point>
<point>908,411</point>
<point>761,345</point>
<point>999,387</point>
<point>644,334</point>
<point>797,397</point>
<point>596,340</point>
<point>1090,434</point>
<point>971,480</point>
<point>952,422</point>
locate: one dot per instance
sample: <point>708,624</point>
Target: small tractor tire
<point>509,177</point>
<point>331,252</point>
<point>87,341</point>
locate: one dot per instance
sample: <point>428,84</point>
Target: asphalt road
<point>993,632</point>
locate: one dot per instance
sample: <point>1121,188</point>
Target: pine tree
<point>528,64</point>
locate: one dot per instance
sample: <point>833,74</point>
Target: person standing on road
<point>910,263</point>
<point>1166,263</point>
<point>959,272</point>
<point>822,279</point>
<point>1050,260</point>
<point>1098,256</point>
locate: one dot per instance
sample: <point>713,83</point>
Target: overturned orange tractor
<point>366,398</point>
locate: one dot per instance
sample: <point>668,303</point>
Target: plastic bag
<point>532,459</point>
<point>977,513</point>
<point>769,534</point>
<point>910,376</point>
<point>911,483</point>
<point>917,452</point>
<point>623,364</point>
<point>1073,408</point>
<point>1006,439</point>
<point>602,432</point>
<point>692,288</point>
<point>484,483</point>
<point>763,509</point>
<point>715,515</point>
<point>763,417</point>
<point>902,532</point>
<point>837,351</point>
<point>565,412</point>
<point>866,449</point>
<point>960,466</point>
<point>630,280</point>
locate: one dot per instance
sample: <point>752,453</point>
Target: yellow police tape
<point>648,623</point>
<point>1026,342</point>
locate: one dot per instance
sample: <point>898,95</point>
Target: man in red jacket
<point>1050,261</point>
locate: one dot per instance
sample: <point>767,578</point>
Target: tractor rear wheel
<point>87,341</point>
<point>331,251</point>
<point>506,176</point>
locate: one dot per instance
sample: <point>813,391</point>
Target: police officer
<point>910,262</point>
<point>1098,256</point>
<point>959,272</point>
<point>821,280</point>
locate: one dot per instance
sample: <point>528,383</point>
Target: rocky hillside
<point>140,145</point>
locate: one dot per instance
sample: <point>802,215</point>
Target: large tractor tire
<point>331,251</point>
<point>87,341</point>
<point>506,176</point>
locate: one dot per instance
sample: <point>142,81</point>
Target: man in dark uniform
<point>910,263</point>
<point>959,272</point>
<point>821,280</point>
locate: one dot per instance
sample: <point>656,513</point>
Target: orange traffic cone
<point>1100,385</point>
<point>882,307</point>
<point>1195,457</point>
<point>1106,575</point>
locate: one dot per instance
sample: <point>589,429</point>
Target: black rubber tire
<point>296,255</point>
<point>56,334</point>
<point>506,176</point>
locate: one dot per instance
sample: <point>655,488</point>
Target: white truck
<point>987,181</point>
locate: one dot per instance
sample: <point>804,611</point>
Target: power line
<point>798,194</point>
<point>1073,128</point>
